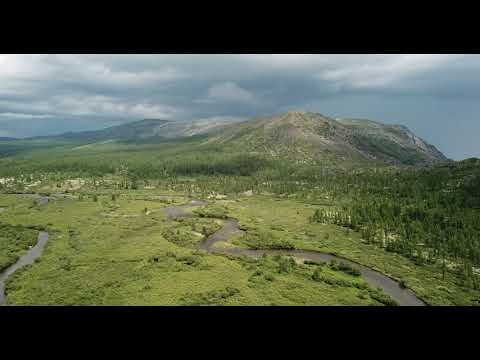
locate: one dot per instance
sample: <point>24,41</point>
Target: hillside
<point>144,129</point>
<point>300,136</point>
<point>312,136</point>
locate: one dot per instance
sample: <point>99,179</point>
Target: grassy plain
<point>285,222</point>
<point>109,252</point>
<point>14,240</point>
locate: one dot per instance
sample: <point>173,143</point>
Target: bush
<point>179,237</point>
<point>286,264</point>
<point>379,296</point>
<point>212,297</point>
<point>344,267</point>
<point>266,240</point>
<point>363,295</point>
<point>189,260</point>
<point>14,240</point>
<point>258,273</point>
<point>269,277</point>
<point>317,274</point>
<point>212,211</point>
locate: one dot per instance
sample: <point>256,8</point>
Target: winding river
<point>29,257</point>
<point>404,297</point>
<point>26,259</point>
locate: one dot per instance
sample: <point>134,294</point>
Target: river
<point>391,287</point>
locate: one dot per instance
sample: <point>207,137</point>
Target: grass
<point>123,250</point>
<point>289,222</point>
<point>92,259</point>
<point>189,232</point>
<point>212,211</point>
<point>14,240</point>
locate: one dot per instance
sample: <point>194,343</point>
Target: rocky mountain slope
<point>310,136</point>
<point>303,136</point>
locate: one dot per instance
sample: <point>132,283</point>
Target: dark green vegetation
<point>288,220</point>
<point>426,215</point>
<point>150,150</point>
<point>14,240</point>
<point>300,181</point>
<point>212,211</point>
<point>111,253</point>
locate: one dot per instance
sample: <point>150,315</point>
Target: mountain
<point>138,129</point>
<point>144,129</point>
<point>7,138</point>
<point>303,136</point>
<point>312,136</point>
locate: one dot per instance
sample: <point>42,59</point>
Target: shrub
<point>212,297</point>
<point>379,296</point>
<point>266,240</point>
<point>269,277</point>
<point>258,273</point>
<point>286,264</point>
<point>189,260</point>
<point>317,274</point>
<point>13,240</point>
<point>344,267</point>
<point>212,211</point>
<point>179,237</point>
<point>363,295</point>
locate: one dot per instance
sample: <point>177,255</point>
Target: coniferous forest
<point>426,214</point>
<point>217,179</point>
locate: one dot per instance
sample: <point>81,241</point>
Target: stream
<point>26,259</point>
<point>391,287</point>
<point>29,257</point>
<point>404,297</point>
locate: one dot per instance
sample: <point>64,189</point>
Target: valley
<point>296,209</point>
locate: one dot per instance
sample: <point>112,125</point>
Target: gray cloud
<point>228,92</point>
<point>436,95</point>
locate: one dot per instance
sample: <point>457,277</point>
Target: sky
<point>436,96</point>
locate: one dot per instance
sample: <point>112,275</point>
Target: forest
<point>427,214</point>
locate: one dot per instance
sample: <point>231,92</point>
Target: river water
<point>403,296</point>
<point>26,259</point>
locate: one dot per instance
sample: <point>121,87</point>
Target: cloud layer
<point>43,94</point>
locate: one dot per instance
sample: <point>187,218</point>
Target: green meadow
<point>108,252</point>
<point>111,242</point>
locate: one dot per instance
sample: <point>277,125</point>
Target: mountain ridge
<point>142,129</point>
<point>299,135</point>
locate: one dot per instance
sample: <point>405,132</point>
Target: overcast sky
<point>437,96</point>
